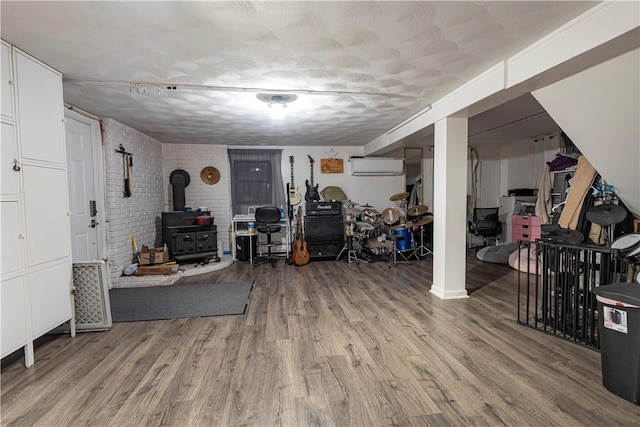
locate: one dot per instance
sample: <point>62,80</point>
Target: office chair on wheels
<point>485,223</point>
<point>267,222</point>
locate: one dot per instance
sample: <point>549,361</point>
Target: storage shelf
<point>570,170</point>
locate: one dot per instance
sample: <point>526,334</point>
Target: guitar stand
<point>351,253</point>
<point>422,250</point>
<point>291,241</point>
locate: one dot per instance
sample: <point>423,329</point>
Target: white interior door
<point>82,191</point>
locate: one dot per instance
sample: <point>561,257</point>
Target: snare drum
<point>406,244</point>
<point>628,245</point>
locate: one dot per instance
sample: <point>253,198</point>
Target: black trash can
<point>619,332</point>
<point>243,251</point>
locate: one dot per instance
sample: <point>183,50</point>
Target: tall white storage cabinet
<point>36,283</point>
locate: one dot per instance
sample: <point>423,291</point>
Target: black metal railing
<point>556,288</point>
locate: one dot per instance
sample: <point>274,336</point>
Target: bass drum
<point>626,245</point>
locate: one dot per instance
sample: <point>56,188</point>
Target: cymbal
<point>422,221</point>
<point>418,210</point>
<point>364,226</point>
<point>210,175</point>
<point>399,196</point>
<point>350,203</point>
<point>366,205</point>
<point>607,214</point>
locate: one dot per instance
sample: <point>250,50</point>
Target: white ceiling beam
<point>481,87</point>
<point>605,22</point>
<point>602,33</point>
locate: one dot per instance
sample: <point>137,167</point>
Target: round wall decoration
<point>210,175</point>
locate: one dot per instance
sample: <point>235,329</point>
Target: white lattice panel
<point>92,307</point>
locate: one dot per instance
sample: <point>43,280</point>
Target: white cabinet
<point>10,218</point>
<point>11,256</point>
<point>7,81</point>
<point>40,109</point>
<point>46,214</point>
<point>36,271</point>
<point>14,307</point>
<point>50,302</point>
<point>9,177</point>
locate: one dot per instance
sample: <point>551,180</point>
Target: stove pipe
<point>179,180</point>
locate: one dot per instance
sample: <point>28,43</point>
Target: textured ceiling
<point>357,68</point>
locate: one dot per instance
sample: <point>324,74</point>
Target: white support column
<point>450,208</point>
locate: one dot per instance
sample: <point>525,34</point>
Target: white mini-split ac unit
<point>371,166</point>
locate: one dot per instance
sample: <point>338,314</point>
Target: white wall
<point>139,214</point>
<point>427,177</point>
<point>516,164</point>
<point>523,161</point>
<point>599,109</point>
<point>500,166</point>
<point>193,158</point>
<point>374,190</point>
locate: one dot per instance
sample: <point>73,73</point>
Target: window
<point>256,179</point>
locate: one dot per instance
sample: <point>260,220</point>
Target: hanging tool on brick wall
<point>127,164</point>
<point>136,251</point>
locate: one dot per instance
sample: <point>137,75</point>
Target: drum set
<point>394,235</point>
<point>627,247</point>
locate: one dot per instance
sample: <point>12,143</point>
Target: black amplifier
<point>323,208</point>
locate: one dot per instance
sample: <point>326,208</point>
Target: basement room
<point>345,213</point>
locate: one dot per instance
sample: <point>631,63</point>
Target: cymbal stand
<point>396,251</point>
<point>422,250</point>
<point>406,211</point>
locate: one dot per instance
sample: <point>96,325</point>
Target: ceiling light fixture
<point>277,108</point>
<point>277,103</point>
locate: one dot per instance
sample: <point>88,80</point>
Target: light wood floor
<point>326,344</point>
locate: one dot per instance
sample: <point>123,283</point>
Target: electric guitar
<point>312,192</point>
<point>300,253</point>
<point>294,194</point>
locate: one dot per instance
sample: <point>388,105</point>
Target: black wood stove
<point>186,240</point>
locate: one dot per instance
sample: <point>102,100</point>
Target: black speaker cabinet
<point>320,229</point>
<point>326,251</point>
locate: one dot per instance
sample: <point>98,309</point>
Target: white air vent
<point>370,166</point>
